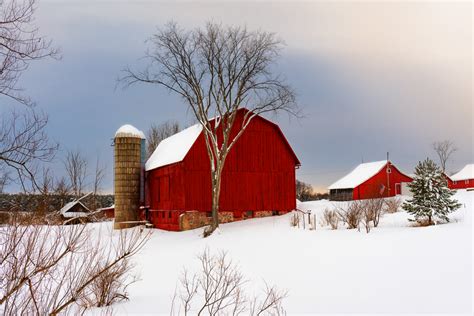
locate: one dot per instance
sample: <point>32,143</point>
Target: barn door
<point>398,189</point>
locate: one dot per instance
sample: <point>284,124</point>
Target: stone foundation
<point>263,213</point>
<point>194,219</point>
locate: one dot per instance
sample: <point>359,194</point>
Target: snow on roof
<point>128,130</point>
<point>360,174</point>
<point>174,148</point>
<point>466,173</point>
<point>65,209</point>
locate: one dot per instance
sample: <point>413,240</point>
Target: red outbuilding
<point>369,180</point>
<point>258,177</point>
<point>464,179</point>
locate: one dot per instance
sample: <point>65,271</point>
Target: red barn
<point>369,180</point>
<point>258,177</point>
<point>464,179</point>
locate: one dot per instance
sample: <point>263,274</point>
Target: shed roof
<point>466,173</point>
<point>359,175</point>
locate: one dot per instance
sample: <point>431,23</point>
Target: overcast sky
<point>370,77</point>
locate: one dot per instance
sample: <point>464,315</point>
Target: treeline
<point>40,203</point>
<point>305,192</point>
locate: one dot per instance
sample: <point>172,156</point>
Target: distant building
<point>463,179</point>
<point>369,180</point>
<point>75,212</point>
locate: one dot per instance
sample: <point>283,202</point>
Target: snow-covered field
<point>395,268</point>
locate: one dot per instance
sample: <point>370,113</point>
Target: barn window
<point>389,170</point>
<point>208,214</point>
<point>169,214</point>
<point>249,214</point>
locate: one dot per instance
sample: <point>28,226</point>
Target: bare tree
<point>444,149</point>
<point>49,270</point>
<point>218,70</point>
<point>304,191</point>
<point>20,44</point>
<point>76,169</point>
<point>99,176</point>
<point>24,144</point>
<point>23,141</point>
<point>4,179</point>
<point>217,289</point>
<point>156,133</point>
<point>46,188</point>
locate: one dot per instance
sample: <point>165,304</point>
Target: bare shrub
<point>217,289</point>
<point>330,218</point>
<point>367,211</point>
<point>376,209</point>
<point>111,286</point>
<point>295,219</point>
<point>57,269</point>
<point>351,215</point>
<point>392,205</point>
<point>367,217</point>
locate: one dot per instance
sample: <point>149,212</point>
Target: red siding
<point>259,174</point>
<point>372,188</point>
<point>462,184</point>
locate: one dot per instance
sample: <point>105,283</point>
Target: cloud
<point>372,77</point>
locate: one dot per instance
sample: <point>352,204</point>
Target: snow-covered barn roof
<point>359,175</point>
<point>64,211</point>
<point>174,148</point>
<point>466,173</point>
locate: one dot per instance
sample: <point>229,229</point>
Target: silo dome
<point>128,130</point>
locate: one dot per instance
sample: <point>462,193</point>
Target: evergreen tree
<point>432,199</point>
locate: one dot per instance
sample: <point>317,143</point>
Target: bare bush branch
<point>392,205</point>
<point>217,289</point>
<point>351,215</point>
<point>330,218</point>
<point>56,269</point>
<point>24,144</point>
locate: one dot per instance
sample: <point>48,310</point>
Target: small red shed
<point>258,177</point>
<point>464,179</point>
<point>369,180</point>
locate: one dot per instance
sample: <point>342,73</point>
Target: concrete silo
<point>129,156</point>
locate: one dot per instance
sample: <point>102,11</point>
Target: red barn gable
<point>369,180</point>
<point>258,177</point>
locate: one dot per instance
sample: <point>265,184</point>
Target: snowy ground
<point>394,269</point>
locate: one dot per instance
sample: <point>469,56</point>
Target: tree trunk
<point>216,192</point>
